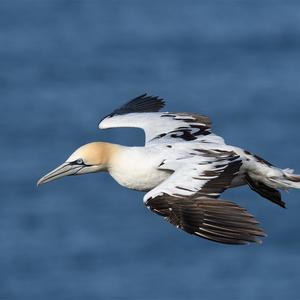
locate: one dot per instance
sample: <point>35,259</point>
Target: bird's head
<point>89,158</point>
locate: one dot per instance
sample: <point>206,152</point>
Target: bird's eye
<point>79,161</point>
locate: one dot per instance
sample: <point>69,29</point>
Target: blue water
<point>64,65</point>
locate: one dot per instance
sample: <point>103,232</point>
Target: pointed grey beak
<point>66,169</point>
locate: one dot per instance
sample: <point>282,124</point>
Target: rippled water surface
<point>64,65</point>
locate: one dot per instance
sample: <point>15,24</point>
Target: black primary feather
<point>140,104</point>
<point>217,220</point>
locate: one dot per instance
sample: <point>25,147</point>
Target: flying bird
<point>184,167</point>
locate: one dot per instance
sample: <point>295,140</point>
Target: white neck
<point>136,168</point>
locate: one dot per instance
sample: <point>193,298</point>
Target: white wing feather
<point>152,123</point>
<point>202,175</point>
<point>142,112</point>
<point>165,127</point>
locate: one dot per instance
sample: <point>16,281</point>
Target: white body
<point>139,168</point>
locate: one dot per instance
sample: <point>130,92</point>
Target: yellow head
<point>89,158</point>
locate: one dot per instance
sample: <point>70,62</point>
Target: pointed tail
<point>277,178</point>
<point>268,186</point>
<point>290,179</point>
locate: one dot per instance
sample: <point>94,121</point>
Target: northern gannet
<point>184,168</point>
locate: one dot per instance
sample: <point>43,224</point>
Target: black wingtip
<point>216,220</point>
<point>140,104</point>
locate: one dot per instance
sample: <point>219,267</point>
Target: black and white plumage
<point>204,166</point>
<point>183,167</point>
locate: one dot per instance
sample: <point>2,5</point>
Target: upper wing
<point>142,112</point>
<point>207,173</point>
<point>186,199</point>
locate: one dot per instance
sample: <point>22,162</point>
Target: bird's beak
<point>66,169</point>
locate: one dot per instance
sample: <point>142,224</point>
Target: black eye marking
<point>79,161</point>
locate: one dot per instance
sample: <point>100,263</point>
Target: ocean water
<point>66,64</point>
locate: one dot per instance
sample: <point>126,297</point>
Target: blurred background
<point>66,64</point>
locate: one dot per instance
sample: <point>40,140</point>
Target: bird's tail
<point>270,180</point>
<point>287,180</point>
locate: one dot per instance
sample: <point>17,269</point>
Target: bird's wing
<point>207,173</point>
<point>215,220</point>
<point>186,200</point>
<point>143,112</point>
